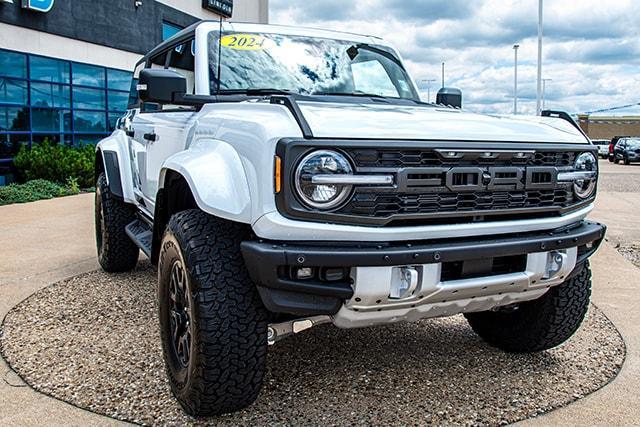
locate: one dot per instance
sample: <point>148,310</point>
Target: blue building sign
<point>38,5</point>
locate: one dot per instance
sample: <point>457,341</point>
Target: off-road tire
<point>116,251</point>
<point>540,324</point>
<point>616,161</point>
<point>228,335</point>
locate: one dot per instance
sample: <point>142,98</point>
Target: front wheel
<point>626,161</point>
<point>213,325</point>
<point>540,324</point>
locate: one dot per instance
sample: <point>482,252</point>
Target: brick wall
<point>607,127</point>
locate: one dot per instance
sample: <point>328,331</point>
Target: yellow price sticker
<point>244,42</point>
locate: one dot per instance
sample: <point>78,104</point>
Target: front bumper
<point>270,262</point>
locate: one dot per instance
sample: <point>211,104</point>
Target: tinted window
<point>118,101</point>
<point>119,80</point>
<point>13,91</point>
<point>47,120</point>
<point>91,99</point>
<point>169,30</point>
<point>13,64</point>
<point>50,95</point>
<point>89,121</point>
<point>50,70</point>
<point>14,118</point>
<point>88,75</point>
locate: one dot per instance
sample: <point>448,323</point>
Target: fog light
<point>332,274</point>
<point>304,273</point>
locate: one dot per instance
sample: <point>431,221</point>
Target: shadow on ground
<point>92,341</point>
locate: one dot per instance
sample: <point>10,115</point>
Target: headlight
<point>317,195</point>
<point>584,188</point>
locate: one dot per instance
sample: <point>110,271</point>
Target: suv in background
<point>603,147</point>
<point>612,146</point>
<point>627,150</point>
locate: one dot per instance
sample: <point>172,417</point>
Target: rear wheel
<point>540,324</point>
<point>116,251</point>
<point>213,324</point>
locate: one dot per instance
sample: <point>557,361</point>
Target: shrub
<point>38,189</point>
<point>57,163</point>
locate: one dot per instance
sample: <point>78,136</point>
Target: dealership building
<point>65,65</point>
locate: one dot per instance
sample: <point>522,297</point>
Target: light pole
<point>540,27</point>
<point>515,79</point>
<point>544,91</point>
<point>428,82</point>
<point>443,74</point>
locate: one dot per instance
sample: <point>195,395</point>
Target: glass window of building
<point>169,30</point>
<point>88,75</point>
<point>49,70</point>
<point>46,99</point>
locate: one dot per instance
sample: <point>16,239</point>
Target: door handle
<point>130,133</point>
<point>151,137</point>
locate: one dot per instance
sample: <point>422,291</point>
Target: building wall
<point>602,127</point>
<point>110,33</point>
<point>243,10</point>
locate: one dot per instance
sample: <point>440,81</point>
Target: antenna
<point>219,57</point>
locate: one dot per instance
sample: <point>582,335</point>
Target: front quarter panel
<point>214,171</point>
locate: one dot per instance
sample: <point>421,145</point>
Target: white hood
<point>336,120</point>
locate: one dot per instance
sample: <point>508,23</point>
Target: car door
<point>161,130</point>
<point>619,149</point>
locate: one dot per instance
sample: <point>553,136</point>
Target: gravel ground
<point>93,341</point>
<point>619,178</point>
<point>630,252</point>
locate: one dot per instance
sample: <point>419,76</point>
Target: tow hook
<point>279,331</point>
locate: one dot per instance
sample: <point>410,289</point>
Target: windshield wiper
<point>358,94</point>
<point>257,92</point>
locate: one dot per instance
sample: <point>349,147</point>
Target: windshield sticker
<point>244,42</point>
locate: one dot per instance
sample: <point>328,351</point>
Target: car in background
<point>627,150</point>
<point>612,146</point>
<point>603,147</point>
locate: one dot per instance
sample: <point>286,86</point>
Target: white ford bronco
<point>282,178</point>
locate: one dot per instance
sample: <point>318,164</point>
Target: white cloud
<point>592,47</point>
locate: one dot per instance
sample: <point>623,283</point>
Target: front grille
<point>423,192</point>
<point>441,183</point>
<point>385,205</point>
<point>379,158</point>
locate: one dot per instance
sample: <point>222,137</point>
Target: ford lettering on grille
<point>475,179</point>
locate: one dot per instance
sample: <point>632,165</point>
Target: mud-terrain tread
<point>541,324</point>
<point>119,253</point>
<point>231,324</point>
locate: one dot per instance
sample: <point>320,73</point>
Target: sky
<point>591,48</point>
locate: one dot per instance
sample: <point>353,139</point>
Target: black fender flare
<point>111,167</point>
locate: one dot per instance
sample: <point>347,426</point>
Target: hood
<point>377,121</point>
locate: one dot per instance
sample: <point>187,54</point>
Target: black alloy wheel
<point>180,314</point>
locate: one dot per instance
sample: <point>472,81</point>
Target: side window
<point>371,77</point>
<point>181,60</point>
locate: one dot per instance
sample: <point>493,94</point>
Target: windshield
<point>306,65</point>
<point>633,143</point>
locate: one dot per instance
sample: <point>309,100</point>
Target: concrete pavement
<point>47,241</point>
<point>42,243</point>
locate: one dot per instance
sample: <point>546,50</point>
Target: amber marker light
<point>278,174</point>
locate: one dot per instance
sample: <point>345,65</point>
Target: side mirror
<point>161,86</point>
<point>450,96</point>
